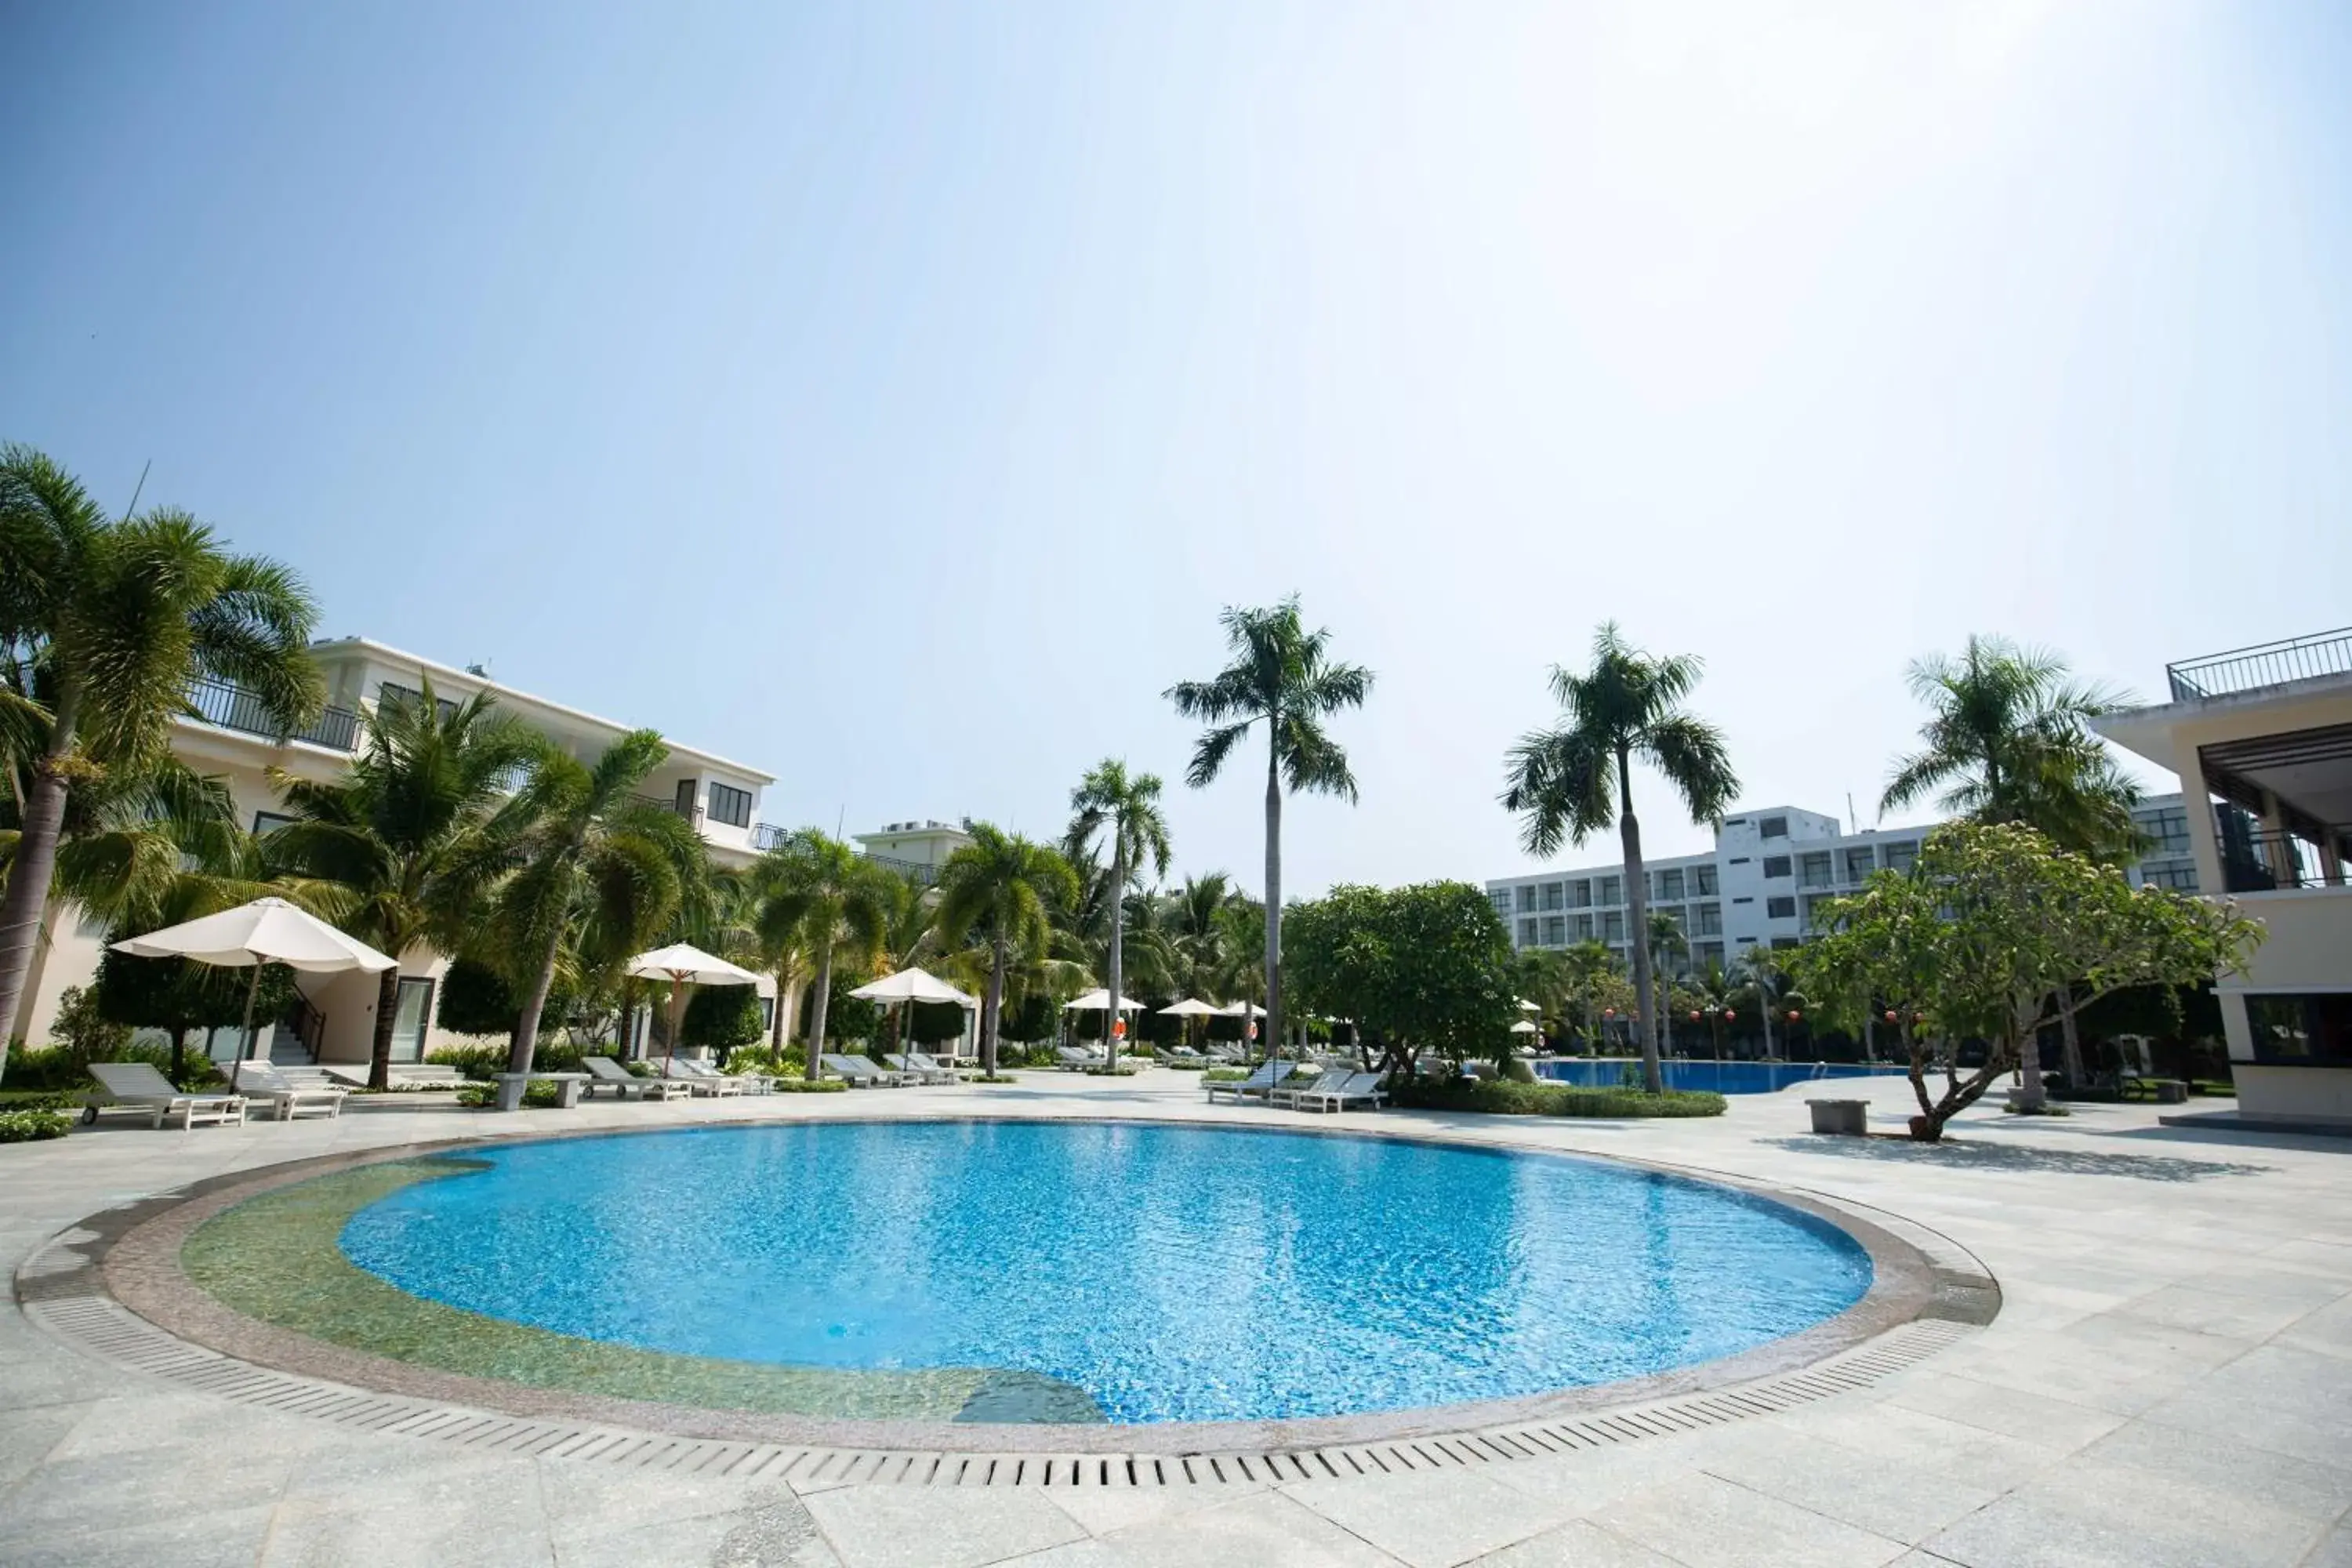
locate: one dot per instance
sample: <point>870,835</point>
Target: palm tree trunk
<point>991,1006</point>
<point>526,1041</point>
<point>813,1067</point>
<point>1117,947</point>
<point>1273,886</point>
<point>387,1007</point>
<point>776,1018</point>
<point>36,863</point>
<point>1764,1012</point>
<point>1637,916</point>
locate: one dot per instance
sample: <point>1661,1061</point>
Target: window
<point>1501,898</point>
<point>685,798</point>
<point>264,821</point>
<point>1899,856</point>
<point>388,692</point>
<point>1772,827</point>
<point>1776,865</point>
<point>1583,928</point>
<point>1670,886</point>
<point>1579,894</point>
<point>1526,932</point>
<point>2312,1030</point>
<point>1704,884</point>
<point>410,1016</point>
<point>1612,889</point>
<point>729,805</point>
<point>1780,909</point>
<point>1784,943</point>
<point>1743,900</point>
<point>767,1013</point>
<point>1526,897</point>
<point>1814,870</point>
<point>1555,931</point>
<point>1858,865</point>
<point>1552,895</point>
<point>2180,877</point>
<point>1708,953</point>
<point>1710,920</point>
<point>1612,926</point>
<point>1739,860</point>
<point>2167,830</point>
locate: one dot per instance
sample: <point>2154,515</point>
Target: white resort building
<point>233,741</point>
<point>1769,872</point>
<point>2262,738</point>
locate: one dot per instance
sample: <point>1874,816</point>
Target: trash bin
<point>1846,1117</point>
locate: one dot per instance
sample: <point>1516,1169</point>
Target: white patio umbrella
<point>1191,1007</point>
<point>267,931</point>
<point>911,985</point>
<point>1096,1000</point>
<point>1524,1028</point>
<point>684,964</point>
<point>1528,1006</point>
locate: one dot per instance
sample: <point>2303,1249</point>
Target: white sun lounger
<point>1258,1083</point>
<point>1360,1089</point>
<point>860,1072</point>
<point>716,1084</point>
<point>603,1072</point>
<point>749,1082</point>
<point>288,1097</point>
<point>921,1068</point>
<point>1329,1081</point>
<point>136,1089</point>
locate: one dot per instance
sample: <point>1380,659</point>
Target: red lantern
<point>1918,1017</point>
<point>1693,1015</point>
<point>1729,1014</point>
<point>1609,1012</point>
<point>1794,1016</point>
<point>1890,1016</point>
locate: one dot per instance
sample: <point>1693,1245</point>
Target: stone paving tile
<point>2328,1332</point>
<point>153,1487</point>
<point>28,1437</point>
<point>2216,1311</point>
<point>1904,1500</point>
<point>2168,1453</point>
<point>1431,1518</point>
<point>2012,1413</point>
<point>2336,1552</point>
<point>1102,1509</point>
<point>220,1538</point>
<point>1266,1531</point>
<point>415,1504</point>
<point>2101,1515</point>
<point>925,1527</point>
<point>1580,1543</point>
<point>2288,1401</point>
<point>1706,1522</point>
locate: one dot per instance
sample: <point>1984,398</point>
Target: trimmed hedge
<point>31,1126</point>
<point>1503,1098</point>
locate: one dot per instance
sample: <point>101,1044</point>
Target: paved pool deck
<point>2168,1382</point>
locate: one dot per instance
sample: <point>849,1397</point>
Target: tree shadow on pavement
<point>1968,1154</point>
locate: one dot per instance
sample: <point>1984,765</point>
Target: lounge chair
<point>1184,1054</point>
<point>1360,1089</point>
<point>860,1071</point>
<point>1258,1083</point>
<point>1329,1081</point>
<point>716,1084</point>
<point>1069,1059</point>
<point>701,1072</point>
<point>136,1089</point>
<point>921,1068</point>
<point>603,1072</point>
<point>288,1097</point>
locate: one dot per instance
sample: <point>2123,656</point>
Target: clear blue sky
<point>890,395</point>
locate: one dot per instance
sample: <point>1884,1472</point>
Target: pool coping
<point>130,1255</point>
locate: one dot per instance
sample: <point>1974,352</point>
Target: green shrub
<point>58,1067</point>
<point>760,1059</point>
<point>32,1126</point>
<point>83,1028</point>
<point>479,1062</point>
<point>802,1086</point>
<point>537,1095</point>
<point>1225,1075</point>
<point>1501,1096</point>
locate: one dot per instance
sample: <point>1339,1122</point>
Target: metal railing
<point>2266,861</point>
<point>232,707</point>
<point>2265,664</point>
<point>767,836</point>
<point>669,803</point>
<point>915,871</point>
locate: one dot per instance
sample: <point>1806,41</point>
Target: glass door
<point>414,1012</point>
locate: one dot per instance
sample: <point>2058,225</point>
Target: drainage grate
<point>98,1323</point>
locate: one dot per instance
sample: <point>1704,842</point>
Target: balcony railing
<point>669,804</point>
<point>915,871</point>
<point>2269,860</point>
<point>232,707</point>
<point>2266,664</point>
<point>767,836</point>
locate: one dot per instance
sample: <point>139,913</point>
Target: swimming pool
<point>1121,1272</point>
<point>1722,1078</point>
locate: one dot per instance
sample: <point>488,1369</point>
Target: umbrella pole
<point>677,1022</point>
<point>245,1039</point>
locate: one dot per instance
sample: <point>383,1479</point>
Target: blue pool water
<point>1172,1273</point>
<point>1722,1078</point>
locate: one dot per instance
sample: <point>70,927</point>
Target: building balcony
<point>2271,861</point>
<point>228,706</point>
<point>2264,664</point>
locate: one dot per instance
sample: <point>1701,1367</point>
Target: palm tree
<point>1715,993</point>
<point>822,897</point>
<point>416,832</point>
<point>1572,780</point>
<point>105,624</point>
<point>1281,673</point>
<point>600,871</point>
<point>2009,740</point>
<point>1667,941</point>
<point>1587,970</point>
<point>1123,811</point>
<point>1000,887</point>
<point>1763,970</point>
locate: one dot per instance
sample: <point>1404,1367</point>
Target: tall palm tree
<point>416,832</point>
<point>601,870</point>
<point>1570,781</point>
<point>1281,674</point>
<point>1715,993</point>
<point>2009,740</point>
<point>1763,973</point>
<point>1123,811</point>
<point>1000,887</point>
<point>822,897</point>
<point>1666,942</point>
<point>104,625</point>
<point>1588,970</point>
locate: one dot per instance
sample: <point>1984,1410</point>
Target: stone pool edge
<point>134,1258</point>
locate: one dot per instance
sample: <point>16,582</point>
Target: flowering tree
<point>1995,933</point>
<point>1419,968</point>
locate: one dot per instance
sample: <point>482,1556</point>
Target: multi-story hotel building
<point>1768,874</point>
<point>232,740</point>
<point>2262,738</point>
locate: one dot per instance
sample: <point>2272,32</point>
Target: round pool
<point>1120,1272</point>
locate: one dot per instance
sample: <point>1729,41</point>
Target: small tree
<point>179,995</point>
<point>1996,933</point>
<point>719,1018</point>
<point>1420,968</point>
